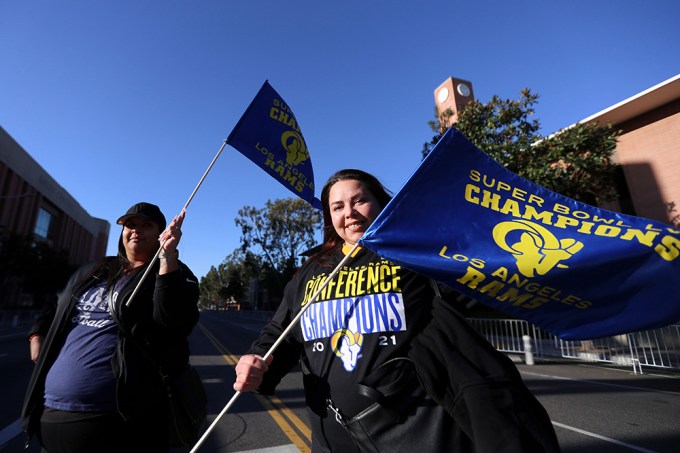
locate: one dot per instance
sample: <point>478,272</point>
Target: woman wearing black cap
<point>96,386</point>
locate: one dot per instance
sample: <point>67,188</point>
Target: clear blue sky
<point>129,101</point>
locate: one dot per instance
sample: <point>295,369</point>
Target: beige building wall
<point>649,150</point>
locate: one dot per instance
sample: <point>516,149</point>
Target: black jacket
<point>479,387</point>
<point>476,400</point>
<point>156,324</point>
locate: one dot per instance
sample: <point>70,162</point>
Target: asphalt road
<point>593,408</point>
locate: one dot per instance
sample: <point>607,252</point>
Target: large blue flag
<point>269,135</point>
<point>572,269</point>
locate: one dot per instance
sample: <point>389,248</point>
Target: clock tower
<point>453,94</point>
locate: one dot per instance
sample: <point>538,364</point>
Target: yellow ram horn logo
<point>538,250</point>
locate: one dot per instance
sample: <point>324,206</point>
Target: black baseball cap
<point>144,210</point>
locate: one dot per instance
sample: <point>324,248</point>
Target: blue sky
<point>130,101</point>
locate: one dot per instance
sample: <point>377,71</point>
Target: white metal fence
<point>658,348</point>
<point>652,348</point>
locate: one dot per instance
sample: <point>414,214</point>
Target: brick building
<point>649,148</point>
<point>33,204</point>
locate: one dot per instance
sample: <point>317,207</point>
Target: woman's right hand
<point>35,344</point>
<point>250,370</point>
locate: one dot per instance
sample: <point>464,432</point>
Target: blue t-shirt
<point>81,379</point>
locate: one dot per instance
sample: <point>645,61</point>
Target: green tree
<point>228,282</point>
<point>32,267</point>
<point>575,162</point>
<point>272,242</point>
<point>209,287</point>
<point>278,234</point>
<point>235,287</point>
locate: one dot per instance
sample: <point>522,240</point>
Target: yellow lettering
<point>501,273</point>
<point>511,207</point>
<point>646,238</point>
<point>329,288</point>
<point>360,281</point>
<point>570,299</point>
<point>544,217</point>
<point>469,191</point>
<point>490,200</point>
<point>535,302</point>
<point>504,186</point>
<point>536,199</point>
<point>546,291</point>
<point>512,295</point>
<point>492,288</point>
<point>669,249</point>
<point>472,278</point>
<point>396,285</point>
<point>561,208</point>
<point>584,304</point>
<point>515,279</point>
<point>478,263</point>
<point>443,251</point>
<point>586,227</point>
<point>340,288</point>
<point>384,281</point>
<point>519,194</point>
<point>533,287</point>
<point>563,222</point>
<point>607,231</point>
<point>372,280</point>
<point>600,219</point>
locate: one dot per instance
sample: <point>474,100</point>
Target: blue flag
<point>269,135</point>
<point>574,270</point>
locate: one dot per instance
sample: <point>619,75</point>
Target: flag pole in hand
<point>186,205</point>
<point>276,344</point>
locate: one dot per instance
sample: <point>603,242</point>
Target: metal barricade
<point>651,348</point>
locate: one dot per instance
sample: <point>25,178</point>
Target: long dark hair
<point>111,268</point>
<point>331,239</point>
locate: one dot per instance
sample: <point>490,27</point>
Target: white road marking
<point>606,439</point>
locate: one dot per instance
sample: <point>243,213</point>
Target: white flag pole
<point>186,205</point>
<point>275,345</point>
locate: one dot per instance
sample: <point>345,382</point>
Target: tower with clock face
<point>453,94</point>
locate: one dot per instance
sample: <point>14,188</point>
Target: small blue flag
<point>574,270</point>
<point>269,135</point>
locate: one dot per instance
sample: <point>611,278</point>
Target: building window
<point>42,225</point>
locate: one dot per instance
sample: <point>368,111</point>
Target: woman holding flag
<point>388,365</point>
<point>96,385</point>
